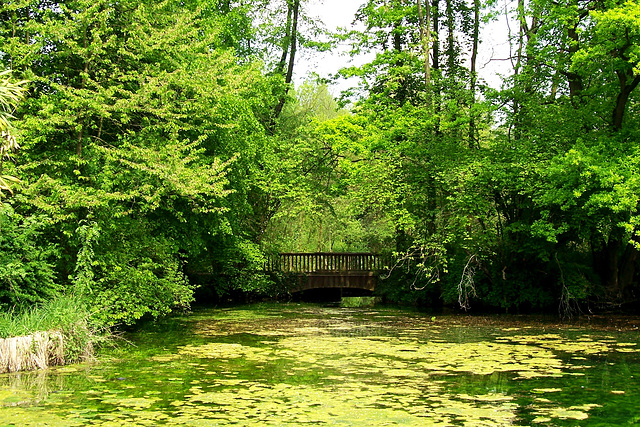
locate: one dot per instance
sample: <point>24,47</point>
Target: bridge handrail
<point>314,262</point>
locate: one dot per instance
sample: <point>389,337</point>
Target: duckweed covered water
<point>296,365</point>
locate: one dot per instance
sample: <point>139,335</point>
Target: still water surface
<point>297,365</point>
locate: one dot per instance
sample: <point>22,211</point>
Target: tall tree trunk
<point>518,66</point>
<point>286,41</point>
<point>435,43</point>
<point>615,262</point>
<point>473,140</point>
<point>435,46</point>
<point>293,12</point>
<point>628,265</point>
<point>522,30</point>
<point>451,44</point>
<point>294,41</point>
<point>397,37</point>
<point>425,38</point>
<point>575,81</point>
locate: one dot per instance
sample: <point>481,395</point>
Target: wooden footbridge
<point>330,269</point>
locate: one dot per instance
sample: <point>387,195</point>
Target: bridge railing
<point>325,262</point>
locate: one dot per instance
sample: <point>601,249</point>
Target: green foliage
<point>320,205</point>
<point>137,273</point>
<point>161,155</point>
<point>10,94</point>
<point>538,210</point>
<point>27,259</point>
<point>143,123</point>
<point>83,280</point>
<point>615,40</point>
<point>65,314</point>
<point>357,302</point>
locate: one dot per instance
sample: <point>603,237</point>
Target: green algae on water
<point>305,365</point>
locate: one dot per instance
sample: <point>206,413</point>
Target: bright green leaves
<point>152,122</point>
<point>87,233</point>
<point>170,172</point>
<point>596,187</point>
<point>10,94</point>
<point>326,182</point>
<point>615,42</point>
<point>345,134</point>
<point>144,123</point>
<point>605,50</point>
<point>137,272</point>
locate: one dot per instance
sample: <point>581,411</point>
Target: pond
<point>293,365</point>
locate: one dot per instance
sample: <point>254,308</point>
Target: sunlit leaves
<point>616,40</point>
<point>10,94</point>
<point>142,119</point>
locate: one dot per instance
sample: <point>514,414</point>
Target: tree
<point>144,126</point>
<point>542,206</point>
<point>573,83</point>
<point>10,94</point>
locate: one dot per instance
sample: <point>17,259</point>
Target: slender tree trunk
<point>397,38</point>
<point>575,81</point>
<point>521,33</point>
<point>451,44</point>
<point>473,140</point>
<point>425,38</point>
<point>518,66</point>
<point>435,46</point>
<point>286,41</point>
<point>435,43</point>
<point>294,6</point>
<point>294,41</point>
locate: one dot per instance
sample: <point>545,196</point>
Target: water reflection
<point>299,364</point>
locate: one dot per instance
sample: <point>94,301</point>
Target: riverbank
<point>55,333</point>
<point>37,351</point>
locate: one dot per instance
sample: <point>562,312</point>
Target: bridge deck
<point>330,269</point>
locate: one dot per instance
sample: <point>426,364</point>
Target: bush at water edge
<point>53,333</point>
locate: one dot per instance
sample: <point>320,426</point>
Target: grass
<point>61,328</point>
<point>356,302</point>
<point>57,314</point>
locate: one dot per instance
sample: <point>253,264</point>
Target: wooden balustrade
<point>325,262</point>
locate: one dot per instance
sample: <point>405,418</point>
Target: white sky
<point>334,14</point>
<point>340,13</point>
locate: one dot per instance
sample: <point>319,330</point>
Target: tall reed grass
<point>54,333</point>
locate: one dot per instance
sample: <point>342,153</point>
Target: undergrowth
<point>68,315</point>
